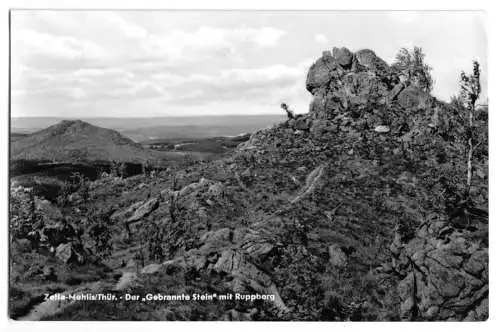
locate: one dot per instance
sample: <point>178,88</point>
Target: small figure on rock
<point>288,111</point>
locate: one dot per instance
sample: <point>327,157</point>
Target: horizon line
<point>143,117</point>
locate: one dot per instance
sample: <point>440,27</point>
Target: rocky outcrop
<point>444,274</point>
<point>367,122</point>
<point>341,81</point>
<point>234,254</point>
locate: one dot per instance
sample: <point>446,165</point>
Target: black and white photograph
<point>248,165</point>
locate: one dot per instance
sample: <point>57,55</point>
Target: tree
<point>411,63</point>
<point>470,89</point>
<point>288,111</point>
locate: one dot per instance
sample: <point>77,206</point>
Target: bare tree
<point>288,111</point>
<point>470,89</point>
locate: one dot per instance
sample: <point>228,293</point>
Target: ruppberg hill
<point>76,141</point>
<point>353,211</point>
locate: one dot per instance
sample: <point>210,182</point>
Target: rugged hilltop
<point>352,211</point>
<point>76,140</point>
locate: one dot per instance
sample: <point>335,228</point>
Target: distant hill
<point>144,129</point>
<point>76,141</point>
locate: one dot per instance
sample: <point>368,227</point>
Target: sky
<point>83,64</point>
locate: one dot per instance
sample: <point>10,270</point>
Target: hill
<point>76,141</point>
<point>353,211</point>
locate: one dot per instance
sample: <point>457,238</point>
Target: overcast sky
<point>145,63</point>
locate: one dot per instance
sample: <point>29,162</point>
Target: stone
<point>382,129</point>
<point>337,256</point>
<point>127,213</point>
<point>320,73</point>
<point>152,269</point>
<point>414,98</point>
<point>23,245</point>
<point>145,209</point>
<point>395,92</point>
<point>54,235</point>
<point>190,188</point>
<point>127,280</point>
<point>442,274</point>
<point>198,261</point>
<point>343,56</point>
<point>64,252</point>
<point>477,263</point>
<point>215,239</point>
<point>216,190</point>
<point>369,59</point>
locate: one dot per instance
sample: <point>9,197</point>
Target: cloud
<point>207,40</point>
<point>267,36</point>
<point>259,84</point>
<point>29,43</point>
<point>88,85</point>
<point>129,30</point>
<point>320,38</point>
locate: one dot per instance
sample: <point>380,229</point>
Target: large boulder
<point>369,59</point>
<point>321,72</point>
<point>342,56</point>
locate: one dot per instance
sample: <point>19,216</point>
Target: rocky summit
<point>352,211</point>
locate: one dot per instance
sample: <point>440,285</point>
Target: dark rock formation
<point>339,84</point>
